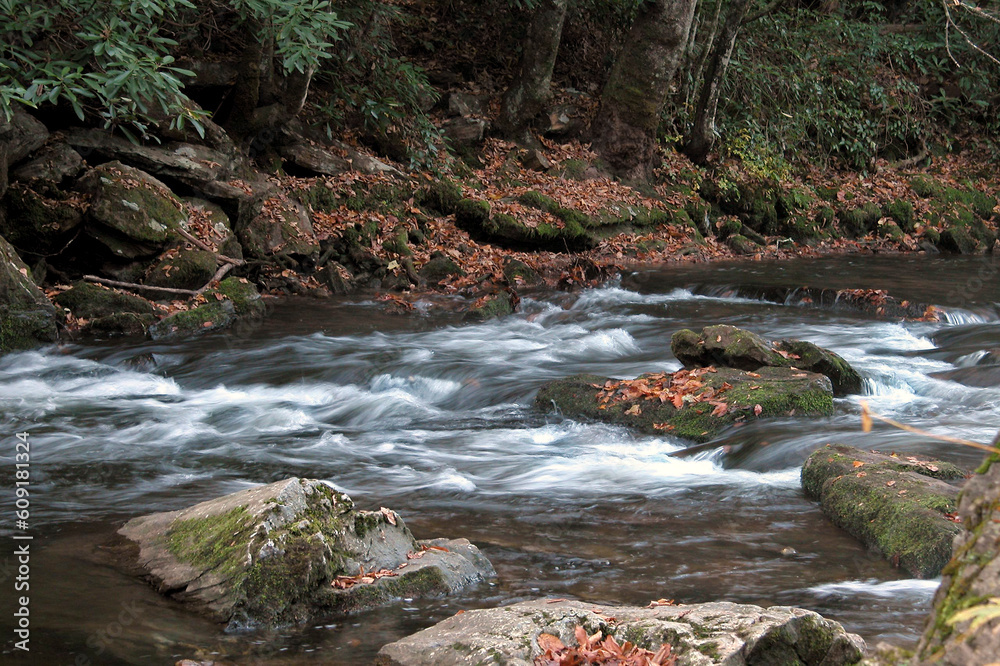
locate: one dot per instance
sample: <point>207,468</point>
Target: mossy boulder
<point>709,634</point>
<point>90,301</point>
<point>957,240</point>
<point>439,267</point>
<point>565,235</point>
<point>211,316</point>
<point>516,272</point>
<point>492,306</point>
<point>292,552</point>
<point>716,401</point>
<point>742,245</point>
<point>27,318</point>
<point>970,580</point>
<point>183,269</point>
<point>38,225</point>
<point>901,211</point>
<point>441,196</point>
<point>279,224</point>
<point>732,347</point>
<point>858,222</point>
<point>233,299</point>
<point>897,506</point>
<point>131,213</point>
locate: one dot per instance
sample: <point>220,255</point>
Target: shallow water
<point>432,417</point>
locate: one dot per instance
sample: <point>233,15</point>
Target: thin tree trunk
<point>624,131</point>
<point>702,136</point>
<point>706,46</point>
<point>529,91</point>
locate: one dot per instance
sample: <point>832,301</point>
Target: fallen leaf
<point>390,515</point>
<point>757,409</point>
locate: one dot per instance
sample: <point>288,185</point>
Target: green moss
<point>243,294</point>
<point>398,243</point>
<point>89,301</point>
<point>441,195</point>
<point>186,269</point>
<point>499,305</point>
<point>573,169</point>
<point>215,543</point>
<point>25,329</point>
<point>472,213</point>
<point>926,187</point>
<point>208,317</point>
<point>901,212</point>
<point>858,222</point>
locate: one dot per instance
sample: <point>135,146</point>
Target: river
<point>432,417</point>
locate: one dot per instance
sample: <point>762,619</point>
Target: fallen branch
<point>132,286</point>
<point>208,248</point>
<point>219,274</point>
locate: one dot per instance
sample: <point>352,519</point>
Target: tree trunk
<point>624,131</point>
<point>702,135</point>
<point>529,91</point>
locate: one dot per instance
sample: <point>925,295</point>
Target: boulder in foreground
<point>965,625</point>
<point>691,404</point>
<point>732,347</point>
<point>699,635</point>
<point>898,506</point>
<point>291,551</point>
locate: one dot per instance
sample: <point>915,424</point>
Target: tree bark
<point>529,91</point>
<point>624,131</point>
<point>701,138</point>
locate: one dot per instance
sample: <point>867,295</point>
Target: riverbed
<point>431,416</point>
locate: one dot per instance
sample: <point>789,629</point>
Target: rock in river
<point>699,635</point>
<point>693,404</point>
<point>897,506</point>
<point>733,347</point>
<point>294,550</point>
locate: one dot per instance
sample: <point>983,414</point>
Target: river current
<point>432,417</point>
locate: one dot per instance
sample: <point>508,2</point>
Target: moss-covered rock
<point>441,195</point>
<point>183,269</point>
<point>292,552</point>
<point>38,225</point>
<point>493,306</point>
<point>858,222</point>
<point>131,213</point>
<point>90,301</point>
<point>970,580</point>
<point>279,225</point>
<point>568,234</point>
<point>244,296</point>
<point>27,318</point>
<point>957,240</point>
<point>212,316</point>
<point>768,393</point>
<point>439,267</point>
<point>901,211</point>
<point>742,245</point>
<point>896,506</point>
<point>731,347</point>
<point>516,272</point>
<point>121,323</point>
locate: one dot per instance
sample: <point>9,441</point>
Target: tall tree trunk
<point>624,131</point>
<point>529,91</point>
<point>702,135</point>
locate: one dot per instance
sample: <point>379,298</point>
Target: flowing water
<point>433,417</point>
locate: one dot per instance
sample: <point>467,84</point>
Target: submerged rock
<point>732,347</point>
<point>294,550</point>
<point>695,405</point>
<point>897,506</point>
<point>699,634</point>
<point>970,582</point>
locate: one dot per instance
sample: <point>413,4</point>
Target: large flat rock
<point>699,635</point>
<point>292,551</point>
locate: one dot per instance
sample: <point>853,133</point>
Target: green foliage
<point>837,86</point>
<point>112,59</point>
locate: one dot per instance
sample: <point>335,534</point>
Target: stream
<point>432,417</point>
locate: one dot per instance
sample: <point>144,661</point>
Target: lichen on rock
<point>292,551</point>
